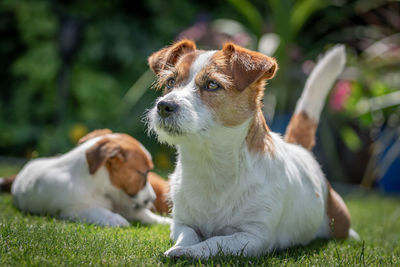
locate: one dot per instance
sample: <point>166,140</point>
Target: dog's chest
<point>209,208</point>
<point>207,217</point>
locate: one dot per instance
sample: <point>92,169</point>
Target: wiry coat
<point>237,187</point>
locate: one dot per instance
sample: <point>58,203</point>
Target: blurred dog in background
<point>103,181</point>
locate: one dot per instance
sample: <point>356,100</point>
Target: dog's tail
<point>6,183</point>
<point>303,125</point>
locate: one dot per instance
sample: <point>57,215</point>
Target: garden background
<point>68,67</point>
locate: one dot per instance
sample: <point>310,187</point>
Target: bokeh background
<point>68,67</point>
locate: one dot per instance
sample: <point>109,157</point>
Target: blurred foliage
<point>117,37</point>
<point>67,67</point>
<point>368,110</point>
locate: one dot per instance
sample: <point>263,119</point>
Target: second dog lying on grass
<point>102,181</point>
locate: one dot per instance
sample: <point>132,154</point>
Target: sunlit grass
<point>32,240</point>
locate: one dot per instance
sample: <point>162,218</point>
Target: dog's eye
<point>212,86</point>
<point>170,83</point>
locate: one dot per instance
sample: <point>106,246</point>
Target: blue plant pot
<point>390,181</point>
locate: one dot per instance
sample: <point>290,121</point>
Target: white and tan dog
<point>102,181</point>
<point>239,188</point>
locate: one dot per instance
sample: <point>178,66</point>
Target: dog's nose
<point>149,200</point>
<point>166,108</point>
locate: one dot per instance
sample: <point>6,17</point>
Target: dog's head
<point>206,89</point>
<point>127,162</point>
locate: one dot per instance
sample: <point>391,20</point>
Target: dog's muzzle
<point>168,117</point>
<point>166,108</point>
<point>144,198</point>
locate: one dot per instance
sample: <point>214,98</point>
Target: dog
<point>238,188</point>
<point>103,181</point>
<point>162,203</point>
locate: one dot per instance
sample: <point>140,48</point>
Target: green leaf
<point>350,139</point>
<point>302,10</point>
<point>251,14</point>
<point>378,88</point>
<point>355,96</point>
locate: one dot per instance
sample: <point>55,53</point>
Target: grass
<point>32,240</point>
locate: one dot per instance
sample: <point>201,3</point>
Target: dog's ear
<point>170,55</point>
<point>248,66</point>
<point>98,154</point>
<point>94,134</point>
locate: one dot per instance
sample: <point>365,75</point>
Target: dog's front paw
<point>177,251</point>
<point>115,220</point>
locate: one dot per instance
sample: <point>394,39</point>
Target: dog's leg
<point>147,216</point>
<point>184,236</point>
<point>96,215</point>
<point>338,214</point>
<point>241,243</point>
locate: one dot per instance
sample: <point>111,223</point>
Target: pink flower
<point>339,96</point>
<point>195,33</point>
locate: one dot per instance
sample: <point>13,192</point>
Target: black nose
<point>166,108</point>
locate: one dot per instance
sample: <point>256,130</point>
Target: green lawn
<point>31,240</point>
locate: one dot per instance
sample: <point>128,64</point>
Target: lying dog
<point>161,188</point>
<point>102,181</point>
<point>239,188</point>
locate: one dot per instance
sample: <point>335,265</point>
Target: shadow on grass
<point>293,254</point>
<point>56,219</point>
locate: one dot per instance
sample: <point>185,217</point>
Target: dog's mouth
<point>137,206</point>
<point>145,204</point>
<point>170,127</point>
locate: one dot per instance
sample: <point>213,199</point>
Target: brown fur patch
<point>125,160</point>
<point>258,138</point>
<point>161,188</point>
<point>233,104</point>
<point>7,183</point>
<point>183,66</point>
<point>301,130</point>
<point>168,56</point>
<point>243,73</point>
<point>248,66</point>
<point>93,134</point>
<point>338,214</point>
<point>180,71</point>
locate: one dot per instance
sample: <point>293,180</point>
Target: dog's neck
<point>225,151</point>
<point>76,158</point>
<point>258,138</point>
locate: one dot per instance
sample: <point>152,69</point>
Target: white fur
<point>320,82</point>
<point>242,203</point>
<point>226,198</point>
<point>63,186</point>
